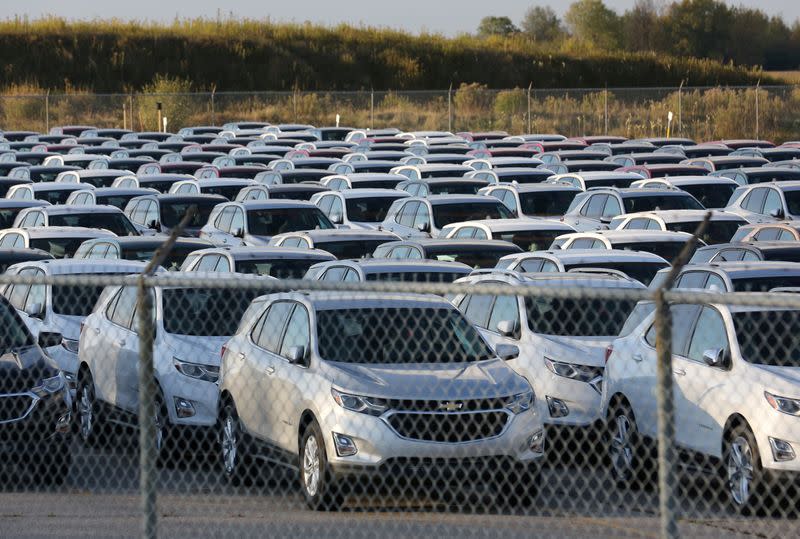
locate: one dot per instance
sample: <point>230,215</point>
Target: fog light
<point>557,407</point>
<point>184,408</point>
<point>535,442</point>
<point>345,446</point>
<point>64,423</point>
<point>781,450</point>
<point>72,382</point>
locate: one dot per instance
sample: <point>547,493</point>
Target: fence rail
<point>703,113</point>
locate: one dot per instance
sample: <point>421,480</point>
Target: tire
<point>628,455</point>
<point>519,488</point>
<point>316,481</point>
<point>231,447</point>
<point>91,429</point>
<point>744,479</point>
<point>51,466</point>
<point>165,443</point>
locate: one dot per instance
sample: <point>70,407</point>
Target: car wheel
<point>626,452</point>
<point>164,444</point>
<point>90,426</point>
<point>231,446</point>
<point>316,481</point>
<point>744,477</point>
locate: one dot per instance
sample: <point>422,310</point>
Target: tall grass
<point>232,54</point>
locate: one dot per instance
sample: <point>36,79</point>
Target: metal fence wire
<point>702,113</point>
<point>515,404</point>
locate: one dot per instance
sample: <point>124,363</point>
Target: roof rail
<point>606,188</point>
<point>497,271</point>
<point>602,271</point>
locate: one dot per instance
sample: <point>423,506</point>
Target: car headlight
<point>51,385</point>
<point>206,373</point>
<point>70,344</point>
<point>516,404</point>
<point>783,404</point>
<point>360,404</point>
<point>582,373</point>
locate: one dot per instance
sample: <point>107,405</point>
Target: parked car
<point>342,244</point>
<point>423,217</point>
<point>710,191</point>
<point>357,208</point>
<point>381,269</point>
<point>278,262</point>
<point>162,213</point>
<point>748,251</point>
<point>528,234</point>
<point>61,242</point>
<point>720,228</point>
<point>770,202</point>
<point>141,249</point>
<point>473,253</point>
<point>97,217</point>
<point>667,245</point>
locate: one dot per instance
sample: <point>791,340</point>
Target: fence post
<point>294,104</point>
<point>130,107</point>
<point>372,108</point>
<point>758,85</point>
<point>605,108</point>
<point>213,111</point>
<point>680,108</point>
<point>47,111</point>
<point>450,108</point>
<point>530,87</point>
<point>147,428</point>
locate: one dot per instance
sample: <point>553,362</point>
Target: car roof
<point>373,193</point>
<point>274,204</point>
<point>336,234</point>
<point>453,242</point>
<point>63,231</point>
<point>744,270</point>
<point>561,280</point>
<point>683,216</point>
<point>67,209</point>
<point>323,301</point>
<point>585,256</point>
<point>677,181</point>
<point>533,187</point>
<point>254,253</point>
<point>641,235</point>
<point>436,200</point>
<point>509,225</point>
<point>72,266</point>
<point>375,265</point>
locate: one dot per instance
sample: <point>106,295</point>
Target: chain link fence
<point>706,113</point>
<point>527,405</point>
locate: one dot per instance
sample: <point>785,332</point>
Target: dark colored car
<point>9,257</point>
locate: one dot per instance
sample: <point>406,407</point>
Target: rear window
<point>764,284</point>
<point>660,202</point>
<point>716,231</point>
<point>344,250</point>
<point>530,240</point>
<point>278,268</point>
<point>415,276</point>
<point>114,222</point>
<point>58,247</point>
<point>369,209</point>
<point>75,300</point>
<point>577,317</point>
<point>210,312</point>
<point>711,196</point>
<point>445,214</point>
<point>546,203</point>
<point>644,272</point>
<point>667,250</point>
<point>173,212</point>
<point>477,257</point>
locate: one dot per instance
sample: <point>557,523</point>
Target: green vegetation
<point>247,55</point>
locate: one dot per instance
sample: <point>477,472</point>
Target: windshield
<point>368,210</point>
<point>376,184</point>
<point>173,212</point>
<point>546,202</point>
<point>454,189</point>
<point>529,240</point>
<point>15,334</point>
<point>58,247</point>
<point>660,202</point>
<point>228,191</point>
<point>279,220</point>
<point>641,271</point>
<point>7,217</point>
<point>792,201</point>
<point>415,276</point>
<point>278,268</point>
<point>344,250</point>
<point>114,222</point>
<point>445,214</point>
<point>711,196</point>
<point>667,250</point>
<point>769,337</point>
<point>474,257</point>
<point>55,196</point>
<point>172,262</point>
<point>765,284</point>
<point>160,186</point>
<point>609,182</point>
<point>399,335</point>
<point>577,317</point>
<point>716,231</point>
<point>99,181</point>
<point>524,177</point>
<point>204,312</point>
<point>637,316</point>
<point>75,300</point>
<point>118,201</point>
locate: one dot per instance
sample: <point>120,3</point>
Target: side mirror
<point>336,218</point>
<point>48,339</point>
<point>297,355</point>
<point>507,328</point>
<point>34,310</point>
<point>777,213</point>
<point>507,351</point>
<point>424,227</point>
<point>238,233</point>
<point>155,225</point>
<point>714,357</point>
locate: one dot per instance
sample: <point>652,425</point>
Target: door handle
<point>121,342</point>
<point>241,356</point>
<point>270,369</point>
<point>97,331</point>
<point>679,372</point>
<point>638,358</point>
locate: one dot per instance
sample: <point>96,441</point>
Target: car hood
<point>68,326</point>
<point>196,349</point>
<point>253,240</point>
<point>354,225</point>
<point>484,379</point>
<point>784,381</point>
<point>22,369</point>
<point>579,350</point>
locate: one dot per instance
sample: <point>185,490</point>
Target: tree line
<point>700,28</point>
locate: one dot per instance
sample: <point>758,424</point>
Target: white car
<point>357,208</point>
<point>562,342</point>
<point>191,326</point>
<point>369,384</point>
<point>736,397</point>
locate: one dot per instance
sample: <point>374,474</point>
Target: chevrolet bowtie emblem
<point>451,406</point>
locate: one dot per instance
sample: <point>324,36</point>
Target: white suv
<point>368,385</point>
<point>737,397</point>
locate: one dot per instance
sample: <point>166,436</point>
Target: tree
<point>592,23</point>
<point>699,28</point>
<point>496,26</point>
<point>640,27</point>
<point>542,24</point>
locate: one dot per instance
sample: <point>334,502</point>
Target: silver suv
<point>401,385</point>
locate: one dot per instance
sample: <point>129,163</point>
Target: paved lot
<point>100,500</point>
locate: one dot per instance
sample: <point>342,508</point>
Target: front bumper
<point>190,401</point>
<point>46,421</point>
<point>380,447</point>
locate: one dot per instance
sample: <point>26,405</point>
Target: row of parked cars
<point>339,385</point>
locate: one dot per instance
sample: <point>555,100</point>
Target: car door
<point>290,381</point>
<point>124,348</point>
<point>701,395</point>
<point>100,344</point>
<point>255,406</point>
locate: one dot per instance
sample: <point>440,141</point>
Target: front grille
<point>448,427</point>
<point>13,407</point>
<point>467,405</point>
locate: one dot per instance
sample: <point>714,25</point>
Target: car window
<point>465,232</point>
<point>640,223</point>
<point>683,317</point>
<point>324,204</point>
<point>612,207</point>
<point>768,234</point>
<point>715,282</point>
<point>531,266</point>
<point>692,279</point>
<point>414,253</point>
<point>407,214</point>
<point>785,235</point>
<point>267,333</point>
<point>124,307</point>
<point>750,256</point>
<point>400,252</point>
<point>505,308</point>
<point>336,207</point>
<point>595,206</point>
<point>709,334</point>
<point>582,243</point>
<point>549,267</point>
<point>207,263</point>
<point>421,216</point>
<point>773,202</point>
<point>223,222</point>
<point>335,273</point>
<point>754,201</point>
<point>237,220</point>
<point>223,265</point>
<point>351,276</point>
<point>297,331</point>
<point>478,309</point>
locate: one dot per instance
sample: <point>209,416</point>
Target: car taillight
<point>609,351</point>
<point>82,326</point>
<point>222,353</point>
